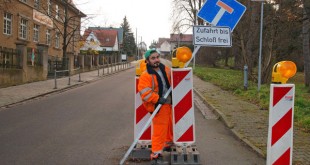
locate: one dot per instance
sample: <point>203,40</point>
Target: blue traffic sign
<point>222,12</point>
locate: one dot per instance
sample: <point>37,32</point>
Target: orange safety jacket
<point>151,86</point>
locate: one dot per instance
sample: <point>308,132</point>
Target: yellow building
<point>40,22</point>
<point>34,31</point>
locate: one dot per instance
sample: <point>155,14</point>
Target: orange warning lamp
<point>183,55</point>
<point>140,67</point>
<point>282,71</point>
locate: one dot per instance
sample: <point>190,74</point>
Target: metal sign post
<point>260,44</point>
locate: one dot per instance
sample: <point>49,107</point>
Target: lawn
<point>232,80</point>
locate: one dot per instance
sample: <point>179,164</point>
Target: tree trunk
<point>253,29</point>
<point>267,60</point>
<point>306,48</point>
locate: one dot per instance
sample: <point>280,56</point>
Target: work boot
<point>155,156</point>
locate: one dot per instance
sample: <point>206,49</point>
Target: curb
<point>222,117</point>
<point>230,125</point>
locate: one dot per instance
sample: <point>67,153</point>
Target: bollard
<point>280,129</point>
<point>80,76</point>
<point>98,70</point>
<point>103,68</point>
<point>245,81</point>
<point>69,83</point>
<point>55,77</point>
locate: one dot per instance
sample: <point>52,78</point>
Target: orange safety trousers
<point>162,128</point>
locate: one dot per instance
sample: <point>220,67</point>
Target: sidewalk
<point>245,120</point>
<point>15,94</point>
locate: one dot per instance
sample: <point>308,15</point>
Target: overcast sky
<point>151,18</point>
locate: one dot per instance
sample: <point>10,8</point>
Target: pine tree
<point>129,44</point>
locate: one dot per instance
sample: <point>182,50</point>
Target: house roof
<point>161,41</point>
<point>106,37</point>
<point>119,30</point>
<point>181,37</point>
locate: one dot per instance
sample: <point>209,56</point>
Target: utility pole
<point>137,44</point>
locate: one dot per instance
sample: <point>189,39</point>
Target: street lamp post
<point>137,43</point>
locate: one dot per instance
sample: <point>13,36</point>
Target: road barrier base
<point>141,152</point>
<point>185,155</point>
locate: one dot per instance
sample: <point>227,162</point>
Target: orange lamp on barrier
<point>282,71</point>
<point>140,67</point>
<point>183,55</point>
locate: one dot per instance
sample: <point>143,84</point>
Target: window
<point>36,33</point>
<point>57,40</point>
<point>7,24</point>
<point>57,12</point>
<point>23,28</point>
<point>36,4</point>
<point>49,7</point>
<point>48,37</point>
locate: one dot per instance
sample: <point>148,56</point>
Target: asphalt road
<point>93,124</point>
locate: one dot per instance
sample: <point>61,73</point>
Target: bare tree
<point>185,14</point>
<point>306,53</point>
<point>66,24</point>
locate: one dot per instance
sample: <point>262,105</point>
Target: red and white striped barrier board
<point>141,117</point>
<point>280,131</point>
<point>183,106</point>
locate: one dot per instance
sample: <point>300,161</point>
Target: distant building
<point>163,45</point>
<point>167,45</point>
<point>177,40</point>
<point>101,39</point>
<point>142,49</point>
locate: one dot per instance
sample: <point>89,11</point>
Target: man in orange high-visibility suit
<point>154,82</point>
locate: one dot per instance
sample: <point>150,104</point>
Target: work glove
<point>161,100</point>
